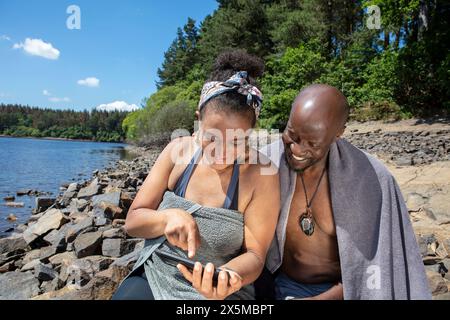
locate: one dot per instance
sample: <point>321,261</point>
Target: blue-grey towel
<point>222,236</point>
<point>378,252</point>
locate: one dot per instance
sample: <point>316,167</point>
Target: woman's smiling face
<point>224,137</point>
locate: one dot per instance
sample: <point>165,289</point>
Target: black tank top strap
<point>231,199</point>
<point>183,180</point>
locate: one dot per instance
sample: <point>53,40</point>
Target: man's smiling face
<point>304,147</point>
<point>317,118</point>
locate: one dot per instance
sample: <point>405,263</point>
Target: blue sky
<point>113,57</point>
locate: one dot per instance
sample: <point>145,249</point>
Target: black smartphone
<point>174,259</point>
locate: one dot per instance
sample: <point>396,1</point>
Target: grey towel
<point>378,251</point>
<point>222,236</point>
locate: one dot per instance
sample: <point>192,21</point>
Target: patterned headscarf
<point>238,82</point>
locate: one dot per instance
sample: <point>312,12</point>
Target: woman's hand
<point>228,282</point>
<point>181,230</point>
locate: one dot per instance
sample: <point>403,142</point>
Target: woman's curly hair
<point>225,66</point>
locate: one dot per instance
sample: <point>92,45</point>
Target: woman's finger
<point>222,285</point>
<point>207,287</point>
<point>193,241</point>
<point>185,272</point>
<point>197,275</point>
<point>172,239</point>
<point>182,240</point>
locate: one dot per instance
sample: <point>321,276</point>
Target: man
<point>344,230</point>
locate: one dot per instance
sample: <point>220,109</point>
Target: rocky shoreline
<point>405,148</point>
<point>75,247</point>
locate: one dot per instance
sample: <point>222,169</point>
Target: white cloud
<point>5,37</point>
<point>89,82</point>
<point>37,47</point>
<point>56,99</point>
<point>117,105</point>
<point>51,98</point>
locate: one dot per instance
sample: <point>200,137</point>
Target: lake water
<point>45,165</point>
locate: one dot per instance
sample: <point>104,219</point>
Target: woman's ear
<point>197,115</point>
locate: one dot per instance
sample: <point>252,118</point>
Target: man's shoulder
<point>380,168</point>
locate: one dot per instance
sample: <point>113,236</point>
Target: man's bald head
<point>321,101</point>
<point>317,119</point>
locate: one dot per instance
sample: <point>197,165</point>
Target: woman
<point>218,210</point>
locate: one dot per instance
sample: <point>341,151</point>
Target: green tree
<point>236,24</point>
<point>286,76</point>
<point>181,55</point>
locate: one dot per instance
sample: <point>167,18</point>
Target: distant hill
<point>24,121</point>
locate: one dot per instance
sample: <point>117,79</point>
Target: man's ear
<point>341,131</point>
<point>197,115</point>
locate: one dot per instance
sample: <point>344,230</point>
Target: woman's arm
<point>144,221</point>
